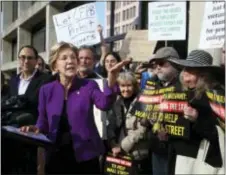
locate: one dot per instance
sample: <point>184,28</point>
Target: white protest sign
<point>78,26</point>
<point>166,21</point>
<point>100,116</point>
<point>213,28</point>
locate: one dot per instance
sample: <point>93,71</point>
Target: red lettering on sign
<point>150,99</point>
<point>173,106</point>
<point>119,161</point>
<point>219,110</point>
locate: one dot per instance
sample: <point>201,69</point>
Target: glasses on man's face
<point>153,66</point>
<point>160,63</point>
<point>23,57</point>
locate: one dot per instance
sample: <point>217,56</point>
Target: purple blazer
<point>82,95</point>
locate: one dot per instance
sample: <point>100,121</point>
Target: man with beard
<point>167,75</point>
<point>86,63</point>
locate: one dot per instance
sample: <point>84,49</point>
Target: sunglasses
<point>23,57</point>
<point>153,65</point>
<point>160,63</point>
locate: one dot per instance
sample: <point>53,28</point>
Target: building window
<point>124,15</point>
<point>15,10</point>
<point>108,19</point>
<point>14,49</point>
<point>117,18</point>
<point>117,4</point>
<point>39,37</point>
<point>130,13</point>
<point>108,32</point>
<point>123,29</point>
<point>134,11</point>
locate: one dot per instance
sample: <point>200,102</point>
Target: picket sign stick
<point>166,43</point>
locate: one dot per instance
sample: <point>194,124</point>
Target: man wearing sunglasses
<point>167,75</point>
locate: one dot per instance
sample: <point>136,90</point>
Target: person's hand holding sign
<point>100,29</point>
<point>116,151</point>
<point>190,113</point>
<point>30,128</point>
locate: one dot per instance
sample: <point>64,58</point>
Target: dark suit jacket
<point>31,94</point>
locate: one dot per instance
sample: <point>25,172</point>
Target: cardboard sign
<point>213,27</point>
<point>133,40</point>
<point>217,103</point>
<point>78,26</point>
<point>166,21</point>
<point>164,108</point>
<point>119,165</point>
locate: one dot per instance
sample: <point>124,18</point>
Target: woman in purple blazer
<point>66,114</point>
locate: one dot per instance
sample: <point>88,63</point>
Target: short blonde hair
<point>56,49</point>
<point>129,76</point>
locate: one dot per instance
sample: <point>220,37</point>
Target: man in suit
<point>25,86</point>
<point>29,80</point>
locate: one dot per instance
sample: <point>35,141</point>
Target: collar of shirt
<point>29,78</point>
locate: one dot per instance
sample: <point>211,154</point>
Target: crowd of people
<point>58,101</point>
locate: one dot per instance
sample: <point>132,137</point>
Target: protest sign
<point>213,27</point>
<point>166,21</point>
<point>119,165</point>
<point>217,103</point>
<point>133,40</point>
<point>100,116</point>
<point>78,26</point>
<point>164,108</point>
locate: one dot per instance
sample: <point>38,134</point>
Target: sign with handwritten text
<point>212,34</point>
<point>78,26</point>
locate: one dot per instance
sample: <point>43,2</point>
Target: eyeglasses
<point>153,66</point>
<point>160,63</point>
<point>23,57</point>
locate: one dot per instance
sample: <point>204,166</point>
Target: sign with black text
<point>213,28</point>
<point>166,21</point>
<point>78,26</point>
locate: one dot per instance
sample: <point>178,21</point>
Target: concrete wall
<point>20,29</point>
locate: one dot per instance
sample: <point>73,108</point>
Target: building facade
<point>29,23</point>
<point>127,15</point>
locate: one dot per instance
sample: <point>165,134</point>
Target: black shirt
<point>63,135</point>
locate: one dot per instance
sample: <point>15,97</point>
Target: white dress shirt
<point>23,84</point>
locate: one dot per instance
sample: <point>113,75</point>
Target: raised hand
<point>114,71</point>
<point>118,67</point>
<point>99,29</point>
